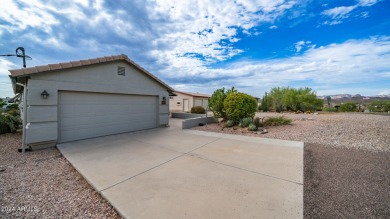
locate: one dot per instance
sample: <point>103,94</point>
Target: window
<point>178,103</point>
<point>121,71</point>
<point>171,98</point>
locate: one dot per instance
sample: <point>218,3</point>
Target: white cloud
<point>367,2</point>
<point>29,16</point>
<point>182,39</point>
<point>385,92</point>
<point>180,33</point>
<point>197,33</point>
<point>4,65</point>
<point>354,61</point>
<point>303,44</point>
<point>338,14</point>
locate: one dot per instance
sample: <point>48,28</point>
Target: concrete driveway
<point>171,173</point>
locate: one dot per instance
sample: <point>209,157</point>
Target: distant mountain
<point>357,98</point>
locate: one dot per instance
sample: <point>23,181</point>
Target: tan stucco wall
<point>42,114</point>
<point>175,107</point>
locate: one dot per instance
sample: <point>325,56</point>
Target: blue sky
<point>199,46</point>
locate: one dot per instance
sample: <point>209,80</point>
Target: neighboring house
<point>89,98</point>
<point>184,101</point>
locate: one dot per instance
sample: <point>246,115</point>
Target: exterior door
<point>186,105</point>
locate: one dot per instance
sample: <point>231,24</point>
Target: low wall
<point>189,123</point>
<point>186,115</point>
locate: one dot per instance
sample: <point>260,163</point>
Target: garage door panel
<point>198,102</point>
<point>85,110</point>
<point>83,133</point>
<point>104,115</point>
<point>86,115</point>
<point>103,121</point>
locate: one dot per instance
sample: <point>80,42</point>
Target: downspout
<point>24,115</point>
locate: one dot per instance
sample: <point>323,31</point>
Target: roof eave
<point>23,72</point>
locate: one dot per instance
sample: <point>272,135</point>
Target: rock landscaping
<point>342,130</point>
<point>43,184</point>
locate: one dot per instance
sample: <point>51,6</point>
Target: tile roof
<point>73,64</point>
<point>193,94</point>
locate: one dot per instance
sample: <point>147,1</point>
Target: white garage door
<point>86,115</point>
<point>201,102</point>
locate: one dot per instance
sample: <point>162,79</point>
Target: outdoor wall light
<point>44,94</point>
<point>164,101</point>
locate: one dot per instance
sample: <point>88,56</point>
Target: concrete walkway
<point>171,173</point>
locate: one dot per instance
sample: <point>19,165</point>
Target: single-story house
<point>184,101</point>
<point>89,98</point>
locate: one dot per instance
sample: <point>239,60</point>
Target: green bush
<point>291,99</point>
<point>331,109</point>
<point>348,107</point>
<point>4,128</point>
<point>379,106</point>
<point>277,121</point>
<point>198,110</point>
<point>2,103</point>
<point>245,122</point>
<point>252,127</point>
<point>13,106</point>
<point>229,123</point>
<point>9,123</point>
<point>216,102</point>
<point>239,105</point>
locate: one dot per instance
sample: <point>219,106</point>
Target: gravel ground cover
<point>346,161</point>
<point>342,130</point>
<point>346,183</point>
<point>43,184</point>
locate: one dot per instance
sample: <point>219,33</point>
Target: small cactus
<point>229,123</point>
<point>252,127</point>
<point>245,122</point>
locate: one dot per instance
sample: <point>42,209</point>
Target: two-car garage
<point>86,115</point>
<point>89,98</point>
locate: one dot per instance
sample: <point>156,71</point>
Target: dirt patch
<point>43,184</point>
<point>345,183</point>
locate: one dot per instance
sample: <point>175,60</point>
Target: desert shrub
<point>258,122</point>
<point>13,106</point>
<point>2,103</point>
<point>216,102</point>
<point>4,128</point>
<point>348,107</point>
<point>9,123</point>
<point>379,106</point>
<point>330,109</point>
<point>229,123</point>
<point>276,121</point>
<point>245,122</point>
<point>281,99</point>
<point>239,105</point>
<point>198,110</point>
<point>252,127</point>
